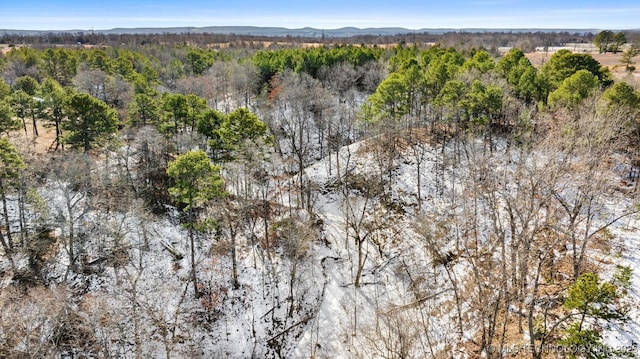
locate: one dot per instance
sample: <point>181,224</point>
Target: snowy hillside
<point>361,268</point>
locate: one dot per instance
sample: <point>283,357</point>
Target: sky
<point>324,14</point>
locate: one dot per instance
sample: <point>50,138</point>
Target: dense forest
<point>439,196</point>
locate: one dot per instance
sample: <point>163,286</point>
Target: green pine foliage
<point>196,179</point>
<point>91,122</point>
<point>8,120</point>
<point>11,163</point>
<point>310,60</point>
<point>573,90</point>
<point>564,63</point>
<point>592,300</point>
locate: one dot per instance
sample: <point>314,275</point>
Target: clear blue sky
<point>327,14</point>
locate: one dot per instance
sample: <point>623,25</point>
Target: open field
<point>609,60</point>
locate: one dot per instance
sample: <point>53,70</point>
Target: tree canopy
<point>10,161</point>
<point>574,89</point>
<point>91,122</point>
<point>8,121</point>
<point>196,179</point>
<point>565,63</point>
<point>608,41</point>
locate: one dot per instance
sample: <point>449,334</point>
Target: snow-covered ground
<point>298,298</point>
<point>625,251</point>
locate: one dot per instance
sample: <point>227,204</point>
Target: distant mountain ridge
<point>281,31</point>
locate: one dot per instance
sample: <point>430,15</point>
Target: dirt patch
<point>28,143</point>
<point>4,48</point>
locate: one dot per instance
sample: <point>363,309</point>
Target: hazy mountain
<point>281,31</point>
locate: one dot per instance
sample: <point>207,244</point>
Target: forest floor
<point>41,144</point>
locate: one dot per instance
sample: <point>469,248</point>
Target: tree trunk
<point>194,277</point>
<point>456,293</point>
<point>361,260</point>
<point>5,213</point>
<point>7,250</point>
<point>22,197</point>
<point>71,252</point>
<point>419,183</point>
<point>234,261</point>
<point>291,283</point>
<point>58,135</point>
<point>24,126</point>
<point>35,126</point>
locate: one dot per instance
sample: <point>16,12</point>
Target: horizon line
<point>319,28</point>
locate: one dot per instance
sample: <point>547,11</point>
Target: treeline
<point>150,63</point>
<point>310,61</point>
<point>527,41</point>
<point>447,88</point>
